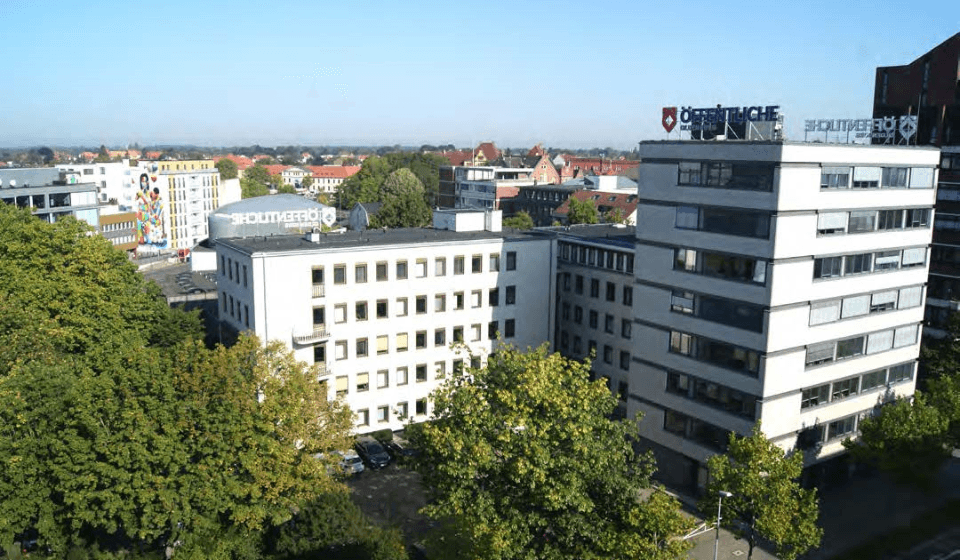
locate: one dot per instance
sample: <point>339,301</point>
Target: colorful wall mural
<point>150,213</point>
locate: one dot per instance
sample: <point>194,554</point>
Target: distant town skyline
<point>374,73</point>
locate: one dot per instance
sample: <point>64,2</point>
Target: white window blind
<point>688,217</point>
<point>402,341</point>
<point>905,336</point>
<point>824,312</point>
<point>882,260</point>
<point>878,342</point>
<point>836,171</point>
<point>866,174</point>
<point>822,352</point>
<point>921,177</point>
<point>684,302</point>
<point>910,297</point>
<point>343,383</point>
<point>832,220</point>
<point>383,344</point>
<point>363,379</point>
<point>914,256</point>
<point>884,297</point>
<point>855,306</point>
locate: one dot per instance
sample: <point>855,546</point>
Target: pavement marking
<point>737,553</point>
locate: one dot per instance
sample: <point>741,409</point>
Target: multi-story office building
<point>173,203</point>
<point>379,310</point>
<point>51,193</point>
<point>775,282</point>
<point>117,182</point>
<point>491,188</point>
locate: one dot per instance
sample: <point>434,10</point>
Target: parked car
<point>374,455</point>
<point>351,462</point>
<point>400,449</point>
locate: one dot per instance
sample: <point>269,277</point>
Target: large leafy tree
<point>228,168</point>
<point>582,212</point>
<point>521,220</point>
<point>524,461</point>
<point>768,501</point>
<point>368,184</point>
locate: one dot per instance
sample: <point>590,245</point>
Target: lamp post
<point>716,544</point>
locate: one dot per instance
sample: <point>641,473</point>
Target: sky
<point>567,74</point>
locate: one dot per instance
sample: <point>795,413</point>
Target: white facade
<point>115,181</point>
<point>190,195</point>
<point>778,282</point>
<point>476,187</point>
<point>380,310</point>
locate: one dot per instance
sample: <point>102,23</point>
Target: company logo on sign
<point>883,128</point>
<point>289,218</point>
<point>669,118</point>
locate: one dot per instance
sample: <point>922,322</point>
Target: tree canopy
<point>403,202</point>
<point>367,185</point>
<point>523,461</point>
<point>582,212</point>
<point>521,220</point>
<point>228,168</point>
<point>768,501</point>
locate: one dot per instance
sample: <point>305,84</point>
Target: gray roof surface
<point>610,234</point>
<point>371,207</point>
<point>269,203</point>
<point>32,176</point>
<point>592,180</point>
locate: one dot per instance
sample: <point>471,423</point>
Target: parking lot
<point>392,496</point>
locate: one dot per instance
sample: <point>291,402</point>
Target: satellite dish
<point>13,182</point>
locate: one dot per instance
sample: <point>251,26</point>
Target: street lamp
<point>716,544</point>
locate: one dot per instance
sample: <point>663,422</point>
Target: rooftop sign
<point>883,128</point>
<point>709,118</point>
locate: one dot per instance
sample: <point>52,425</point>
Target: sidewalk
<point>850,514</point>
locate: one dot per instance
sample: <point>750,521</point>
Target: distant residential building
<point>120,229</point>
<point>243,163</point>
<point>541,201</point>
<point>51,193</point>
<point>606,203</point>
<point>493,188</point>
<point>574,167</point>
<point>117,182</point>
<point>328,178</point>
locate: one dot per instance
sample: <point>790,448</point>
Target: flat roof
<point>608,234</point>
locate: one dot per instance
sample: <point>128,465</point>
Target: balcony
<point>323,371</point>
<point>318,334</point>
<point>318,290</point>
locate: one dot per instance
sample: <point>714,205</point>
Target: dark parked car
<point>373,454</point>
<point>400,449</point>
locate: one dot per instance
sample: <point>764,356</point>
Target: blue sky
<point>573,74</point>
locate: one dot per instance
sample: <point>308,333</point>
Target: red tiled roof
<point>458,157</point>
<point>536,151</point>
<point>605,202</point>
<point>276,169</point>
<point>507,192</point>
<point>153,155</point>
<point>489,150</point>
<point>243,162</point>
<point>332,171</point>
<point>258,157</point>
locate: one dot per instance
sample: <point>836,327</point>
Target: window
<point>593,319</point>
<point>824,312</point>
<point>886,260</point>
<point>842,427</point>
<point>845,388</point>
<point>421,339</point>
<point>363,382</point>
<point>381,309</point>
<point>340,274</point>
<point>873,379</point>
<point>475,332</point>
<point>440,337</point>
<point>458,334</point>
<point>319,316</point>
<point>850,347</point>
<point>883,301</point>
<point>577,344</point>
<point>681,343</point>
<point>360,273</point>
<point>340,349</point>
<point>421,268</point>
<point>565,281</point>
<point>624,361</point>
<point>685,259</point>
<point>381,271</point>
<point>862,222</point>
<point>403,410</point>
<point>628,296</point>
<point>476,263</point>
<point>361,348</point>
<point>493,297</point>
<point>511,260</point>
<point>319,354</point>
<point>363,417</point>
<point>578,284</point>
<point>343,385</point>
<point>403,342</point>
<point>611,291</point>
<point>902,372</point>
<point>905,336</point>
<point>440,266</point>
<point>402,377</point>
<point>918,217</point>
<point>820,353</point>
<point>440,303</point>
<point>421,373</point>
<point>492,328</point>
<point>340,313</point>
<point>458,264</point>
<point>401,307</point>
<point>383,379</point>
<point>607,354</point>
<point>383,414</point>
<point>682,302</point>
<point>828,267</point>
<point>458,366</point>
<point>594,288</point>
<point>735,222</point>
<point>914,257</point>
<point>495,262</point>
<point>858,264</point>
<point>421,407</point>
<point>421,304</point>
<point>476,298</point>
<point>625,327</point>
<point>688,217</point>
<point>866,177</point>
<point>361,311</point>
<point>894,176</point>
<point>814,396</point>
<point>890,219</point>
<point>508,328</point>
<point>511,295</point>
<point>608,323</point>
<point>401,270</point>
<point>577,314</point>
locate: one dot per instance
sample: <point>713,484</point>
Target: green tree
<point>582,212</point>
<point>768,501</point>
<point>286,189</point>
<point>250,188</point>
<point>257,173</point>
<point>615,216</point>
<point>103,155</point>
<point>307,182</point>
<point>228,168</point>
<point>522,220</point>
<point>523,461</point>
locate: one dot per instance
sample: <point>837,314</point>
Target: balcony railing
<point>318,333</point>
<point>318,290</point>
<point>323,371</point>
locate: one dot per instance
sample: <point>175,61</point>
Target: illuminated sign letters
<point>709,117</point>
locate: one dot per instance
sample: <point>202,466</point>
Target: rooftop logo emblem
<point>669,118</point>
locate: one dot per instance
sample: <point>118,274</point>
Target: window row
<point>865,221</point>
<point>861,345</point>
<point>714,352</point>
<point>719,310</point>
<point>742,223</point>
<point>607,353</point>
<point>839,428</point>
<point>696,430</point>
<point>231,269</point>
<point>863,263</point>
<point>401,411</point>
<point>609,259</point>
<point>402,342</point>
<point>381,269</point>
<point>726,175</point>
<point>400,377</point>
<point>458,301</point>
<point>719,265</point>
<point>842,389</point>
<point>241,315</point>
<point>610,288</point>
<point>609,320</point>
<point>822,312</point>
<point>876,177</point>
<point>713,395</point>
